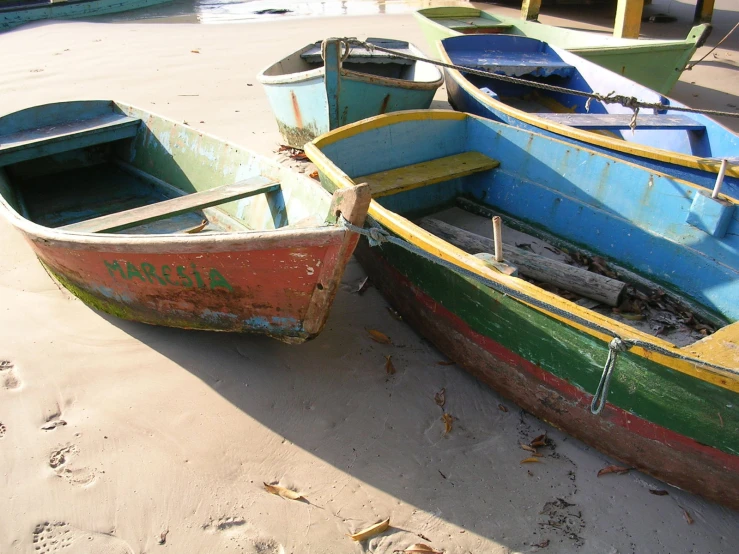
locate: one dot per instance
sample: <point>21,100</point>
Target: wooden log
<point>628,18</point>
<point>574,279</point>
<point>530,10</point>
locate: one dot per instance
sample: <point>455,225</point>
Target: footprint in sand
<point>3,429</point>
<point>53,420</point>
<point>9,375</point>
<point>49,538</point>
<point>234,529</point>
<point>59,460</point>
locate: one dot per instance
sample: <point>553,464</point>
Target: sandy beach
<point>116,437</point>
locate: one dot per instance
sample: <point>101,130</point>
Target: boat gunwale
<point>319,72</point>
<point>712,165</point>
<point>432,244</point>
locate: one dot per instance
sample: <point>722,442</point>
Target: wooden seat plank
<point>537,64</point>
<point>615,122</point>
<point>174,206</point>
<point>44,141</point>
<point>359,54</point>
<point>426,173</point>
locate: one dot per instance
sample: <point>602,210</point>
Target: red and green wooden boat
<point>656,64</point>
<point>153,221</point>
<point>664,315</point>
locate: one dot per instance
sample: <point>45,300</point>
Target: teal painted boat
<point>656,64</point>
<point>650,377</point>
<point>326,85</point>
<point>14,13</point>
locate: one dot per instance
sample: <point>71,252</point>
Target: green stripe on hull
<point>674,400</point>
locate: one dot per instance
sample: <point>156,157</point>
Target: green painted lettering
<point>186,281</point>
<point>151,273</point>
<point>133,271</point>
<point>113,267</point>
<point>198,278</point>
<point>218,280</point>
<point>166,272</point>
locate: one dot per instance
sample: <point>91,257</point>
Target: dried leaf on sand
<point>502,408</point>
<point>688,518</point>
<point>447,419</point>
<point>419,548</point>
<point>283,492</point>
<point>527,447</point>
<point>379,336</point>
<point>614,469</point>
<point>389,367</point>
<point>314,175</point>
<point>440,397</point>
<point>530,460</point>
<point>658,492</point>
<point>371,531</point>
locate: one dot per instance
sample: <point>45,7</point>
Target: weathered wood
<point>352,203</point>
<point>44,141</point>
<point>530,10</point>
<point>614,121</point>
<point>359,54</point>
<point>628,18</point>
<point>703,11</point>
<point>427,173</point>
<point>580,281</point>
<point>174,206</point>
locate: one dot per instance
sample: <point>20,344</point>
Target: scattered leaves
<point>528,448</point>
<point>371,531</point>
<point>313,175</point>
<point>688,518</point>
<point>282,491</point>
<point>299,155</point>
<point>502,408</point>
<point>614,469</point>
<point>419,547</point>
<point>530,460</point>
<point>542,544</point>
<point>447,419</point>
<point>379,336</point>
<point>658,492</point>
<point>389,367</point>
<point>440,397</point>
<point>364,284</point>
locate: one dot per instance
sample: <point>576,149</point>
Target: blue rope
<point>377,236</point>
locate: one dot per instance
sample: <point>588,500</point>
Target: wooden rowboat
<point>667,401</point>
<point>153,221</point>
<point>689,146</point>
<point>14,13</point>
<point>656,64</point>
<point>310,96</point>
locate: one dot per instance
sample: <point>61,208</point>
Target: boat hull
<point>634,441</point>
<point>310,103</point>
<point>71,9</point>
<point>464,96</point>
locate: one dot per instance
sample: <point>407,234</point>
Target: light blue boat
<point>310,99</point>
<point>16,12</point>
<point>688,146</point>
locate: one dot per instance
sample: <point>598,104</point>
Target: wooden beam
<point>426,173</point>
<point>530,10</point>
<point>704,11</point>
<point>628,18</point>
<point>174,206</point>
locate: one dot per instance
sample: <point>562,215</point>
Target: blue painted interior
<point>623,212</point>
<point>714,142</point>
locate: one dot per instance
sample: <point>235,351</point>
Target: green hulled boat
<point>656,64</point>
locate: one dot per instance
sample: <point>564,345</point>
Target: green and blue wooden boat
<point>686,145</point>
<point>15,12</point>
<point>326,85</point>
<point>656,64</point>
<point>153,221</point>
<point>667,400</point>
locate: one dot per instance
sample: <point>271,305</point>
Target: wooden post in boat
<point>331,50</point>
<point>530,10</point>
<point>574,279</point>
<point>703,11</point>
<point>498,238</point>
<point>352,203</point>
<point>628,18</point>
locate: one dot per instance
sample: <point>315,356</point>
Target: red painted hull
<point>276,283</point>
<point>638,443</point>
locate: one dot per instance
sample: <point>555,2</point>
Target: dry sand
<point>117,436</point>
